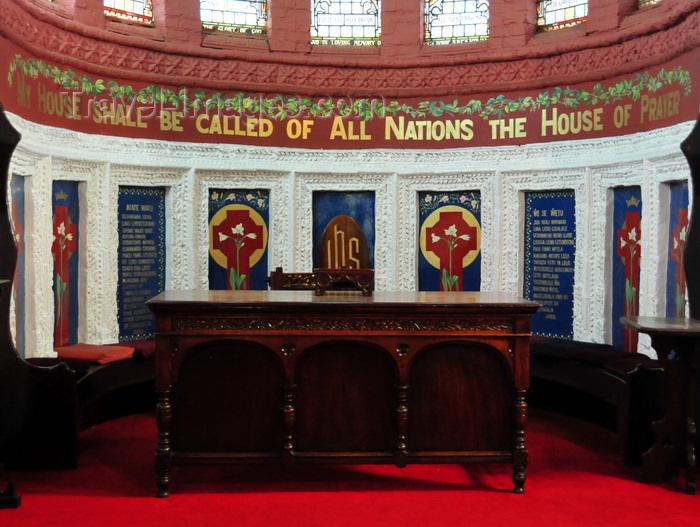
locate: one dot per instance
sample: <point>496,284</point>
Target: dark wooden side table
<point>677,343</point>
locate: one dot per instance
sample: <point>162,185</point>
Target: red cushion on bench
<point>94,352</point>
<point>143,349</point>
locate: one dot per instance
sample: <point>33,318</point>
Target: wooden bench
<point>114,389</point>
<point>600,383</point>
<point>64,396</point>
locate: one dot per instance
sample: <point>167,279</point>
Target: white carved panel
<point>513,188</point>
<point>408,248</point>
<point>280,231</point>
<point>385,218</point>
<point>188,170</point>
<point>178,184</point>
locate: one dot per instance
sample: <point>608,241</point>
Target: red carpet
<point>574,479</point>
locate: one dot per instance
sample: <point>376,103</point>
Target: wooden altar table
<point>287,376</point>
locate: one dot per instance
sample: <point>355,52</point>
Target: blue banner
<point>141,226</point>
<point>550,250</point>
<point>65,250</point>
<point>627,252</point>
<point>329,205</point>
<point>238,236</point>
<point>18,222</point>
<point>677,235</point>
<point>450,241</point>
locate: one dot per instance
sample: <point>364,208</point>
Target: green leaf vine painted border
<point>280,107</point>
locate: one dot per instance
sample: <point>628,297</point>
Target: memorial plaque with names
<point>550,249</point>
<point>141,226</point>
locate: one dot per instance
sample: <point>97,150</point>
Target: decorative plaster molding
<point>179,230</point>
<point>46,140</point>
<point>305,184</point>
<point>501,174</point>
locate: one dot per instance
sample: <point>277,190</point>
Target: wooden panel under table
<point>405,377</point>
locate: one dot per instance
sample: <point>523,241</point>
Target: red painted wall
<point>609,52</point>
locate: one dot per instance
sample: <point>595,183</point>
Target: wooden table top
<point>663,325</point>
<point>464,300</point>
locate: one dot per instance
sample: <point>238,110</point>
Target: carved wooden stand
<point>361,279</point>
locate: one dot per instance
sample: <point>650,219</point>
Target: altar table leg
<point>520,454</point>
<point>163,462</point>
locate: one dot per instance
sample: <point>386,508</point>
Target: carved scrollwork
<point>344,324</point>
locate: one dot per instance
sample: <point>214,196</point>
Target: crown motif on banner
<point>633,202</point>
<point>61,195</point>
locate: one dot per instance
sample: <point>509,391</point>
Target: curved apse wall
<point>623,70</point>
<point>107,104</point>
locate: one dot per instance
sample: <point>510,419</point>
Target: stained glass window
<point>346,22</point>
<point>237,16</point>
<point>644,3</point>
<point>455,21</point>
<point>131,10</point>
<point>558,14</point>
